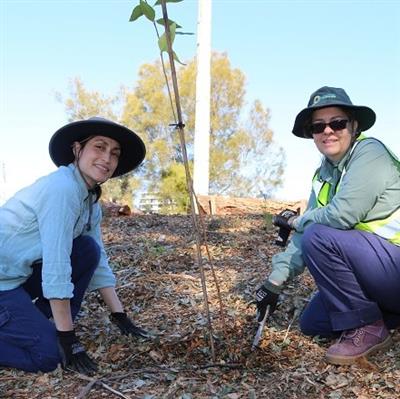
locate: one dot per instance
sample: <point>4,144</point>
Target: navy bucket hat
<point>332,97</point>
<point>133,149</point>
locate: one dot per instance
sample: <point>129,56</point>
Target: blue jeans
<point>28,339</point>
<point>358,280</point>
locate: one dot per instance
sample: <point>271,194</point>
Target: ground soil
<point>159,282</point>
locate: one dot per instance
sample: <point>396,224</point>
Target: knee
<point>42,357</point>
<point>88,246</point>
<point>46,356</point>
<point>317,240</point>
<point>311,233</point>
<point>46,362</point>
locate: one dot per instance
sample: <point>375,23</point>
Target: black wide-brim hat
<point>133,149</point>
<point>332,97</point>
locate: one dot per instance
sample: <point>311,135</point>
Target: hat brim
<point>365,117</point>
<point>133,149</point>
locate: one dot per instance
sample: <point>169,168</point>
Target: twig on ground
<point>86,389</point>
<point>93,381</point>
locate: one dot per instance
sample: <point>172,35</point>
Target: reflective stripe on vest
<point>388,228</point>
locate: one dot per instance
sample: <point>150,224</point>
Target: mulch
<point>160,286</point>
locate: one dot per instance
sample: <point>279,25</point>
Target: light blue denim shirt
<point>40,222</point>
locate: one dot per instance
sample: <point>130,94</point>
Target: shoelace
<point>356,336</point>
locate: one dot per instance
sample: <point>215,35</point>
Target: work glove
<point>124,323</point>
<point>265,297</point>
<point>73,354</point>
<point>284,220</point>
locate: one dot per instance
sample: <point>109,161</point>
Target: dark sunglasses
<point>319,127</point>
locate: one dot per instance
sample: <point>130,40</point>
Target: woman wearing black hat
<point>349,235</point>
<point>51,250</point>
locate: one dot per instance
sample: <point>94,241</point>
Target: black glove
<point>73,354</point>
<point>284,221</point>
<point>265,297</point>
<point>126,326</point>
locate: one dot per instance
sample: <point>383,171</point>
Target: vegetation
<point>244,160</point>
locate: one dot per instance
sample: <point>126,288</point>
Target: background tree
<point>244,160</point>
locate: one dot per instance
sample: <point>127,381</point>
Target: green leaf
<point>158,2</point>
<point>136,13</point>
<point>172,29</point>
<point>147,10</point>
<point>177,59</point>
<point>162,43</point>
<point>161,22</point>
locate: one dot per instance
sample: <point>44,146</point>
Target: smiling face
<point>97,159</point>
<point>333,143</point>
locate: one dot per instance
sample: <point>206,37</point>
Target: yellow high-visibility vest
<point>388,227</point>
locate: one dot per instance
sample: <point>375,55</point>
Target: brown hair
<point>97,191</point>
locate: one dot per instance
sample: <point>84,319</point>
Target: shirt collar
<point>83,190</point>
<point>328,167</point>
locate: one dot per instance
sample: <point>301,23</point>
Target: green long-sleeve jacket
<point>370,189</point>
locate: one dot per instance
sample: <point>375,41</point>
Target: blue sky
<point>286,49</point>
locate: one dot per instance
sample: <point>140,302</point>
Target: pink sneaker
<point>362,341</point>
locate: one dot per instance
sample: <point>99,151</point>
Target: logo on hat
<point>318,98</point>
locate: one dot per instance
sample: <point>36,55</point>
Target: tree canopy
<point>244,160</point>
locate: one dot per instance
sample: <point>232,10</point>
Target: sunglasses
<point>319,127</point>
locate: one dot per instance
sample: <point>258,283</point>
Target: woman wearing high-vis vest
<point>349,235</point>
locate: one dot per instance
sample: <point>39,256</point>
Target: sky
<point>287,49</point>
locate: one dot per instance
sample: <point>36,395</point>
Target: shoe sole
<point>344,360</point>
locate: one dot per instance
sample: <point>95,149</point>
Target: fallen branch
<point>86,389</point>
<point>92,382</point>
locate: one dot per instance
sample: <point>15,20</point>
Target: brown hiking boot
<point>362,341</point>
